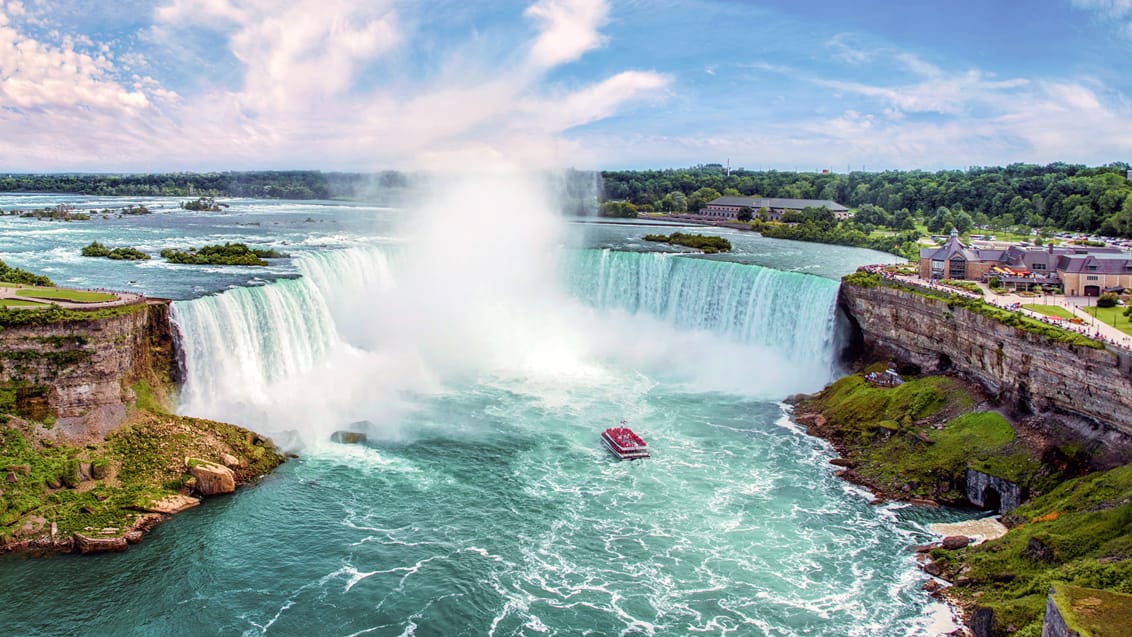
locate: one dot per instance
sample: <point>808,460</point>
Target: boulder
<point>88,544</point>
<point>842,462</point>
<point>212,478</point>
<point>955,542</point>
<point>1038,550</point>
<point>348,437</point>
<point>11,477</point>
<point>230,461</point>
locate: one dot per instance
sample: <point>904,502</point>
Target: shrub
<point>1108,299</point>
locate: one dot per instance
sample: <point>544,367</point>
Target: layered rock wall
<point>78,374</point>
<point>1088,390</point>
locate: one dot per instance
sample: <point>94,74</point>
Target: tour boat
<point>624,443</point>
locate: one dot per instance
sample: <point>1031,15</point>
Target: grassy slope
<point>141,461</point>
<point>917,439</point>
<point>1082,526</point>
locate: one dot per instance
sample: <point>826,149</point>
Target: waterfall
<point>361,329</point>
<point>787,311</point>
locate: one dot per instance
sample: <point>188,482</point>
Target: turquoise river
<point>483,351</point>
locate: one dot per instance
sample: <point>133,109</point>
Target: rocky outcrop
<point>80,373</point>
<point>1088,391</point>
<point>1054,624</point>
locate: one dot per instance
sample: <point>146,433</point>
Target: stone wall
<point>77,375</point>
<point>1089,391</point>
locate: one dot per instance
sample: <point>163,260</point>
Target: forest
<point>292,184</point>
<point>1056,196</point>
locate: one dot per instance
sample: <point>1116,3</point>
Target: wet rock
<point>89,544</point>
<point>133,537</point>
<point>348,437</point>
<point>955,542</point>
<point>931,586</point>
<point>843,462</point>
<point>212,478</point>
<point>924,502</point>
<point>931,568</point>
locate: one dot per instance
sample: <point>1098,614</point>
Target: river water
<point>483,354</point>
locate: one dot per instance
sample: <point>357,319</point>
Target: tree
<point>675,201</point>
<point>941,221</point>
<point>744,214</point>
<point>963,222</point>
<point>700,198</point>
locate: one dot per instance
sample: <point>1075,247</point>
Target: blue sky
<point>375,84</point>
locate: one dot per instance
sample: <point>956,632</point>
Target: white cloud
<point>306,93</point>
<point>569,28</point>
<point>37,75</point>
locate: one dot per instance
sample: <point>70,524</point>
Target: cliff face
<point>80,372</point>
<point>1089,391</point>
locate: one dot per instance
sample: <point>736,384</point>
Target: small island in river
<point>710,245</point>
<point>227,254</point>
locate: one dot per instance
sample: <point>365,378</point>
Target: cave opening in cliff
<point>992,500</point>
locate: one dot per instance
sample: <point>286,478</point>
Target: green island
<point>203,204</point>
<point>96,249</point>
<point>227,254</point>
<point>710,245</point>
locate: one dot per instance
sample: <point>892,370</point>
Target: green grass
<point>1050,310</point>
<point>911,436</point>
<point>1112,316</point>
<point>1094,612</point>
<point>74,296</point>
<point>20,303</point>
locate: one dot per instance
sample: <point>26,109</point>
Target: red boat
<point>624,443</point>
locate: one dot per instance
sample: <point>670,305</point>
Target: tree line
<point>1057,196</point>
<point>291,184</point>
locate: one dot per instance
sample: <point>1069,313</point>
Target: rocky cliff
<point>79,375</point>
<point>1088,391</point>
